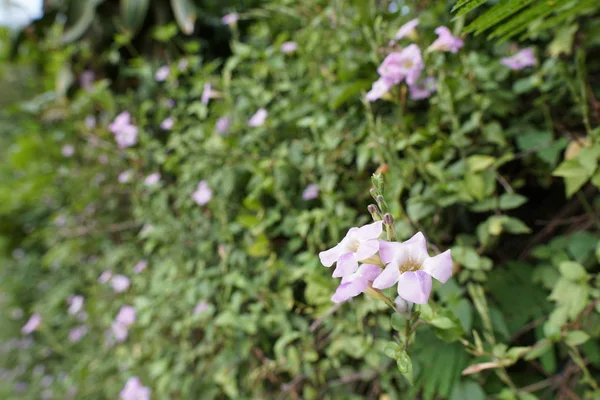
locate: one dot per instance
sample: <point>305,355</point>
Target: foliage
<point>509,18</point>
<point>500,166</point>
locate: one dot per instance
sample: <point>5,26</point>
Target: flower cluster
<point>407,64</point>
<point>125,132</point>
<point>364,261</point>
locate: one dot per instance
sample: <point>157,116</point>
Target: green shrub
<point>480,167</point>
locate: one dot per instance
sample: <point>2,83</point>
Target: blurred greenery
<point>500,166</point>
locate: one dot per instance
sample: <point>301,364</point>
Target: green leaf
<point>185,15</point>
<point>475,185</point>
<point>540,348</point>
<point>575,338</point>
<point>572,270</point>
<point>133,13</point>
<point>398,322</point>
<point>405,365</point>
<point>84,18</point>
<point>563,41</point>
<point>467,390</point>
<point>480,162</point>
<point>508,201</point>
<point>514,225</point>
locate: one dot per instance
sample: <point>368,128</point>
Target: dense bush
<point>498,165</point>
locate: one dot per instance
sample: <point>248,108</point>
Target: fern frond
<point>496,14</point>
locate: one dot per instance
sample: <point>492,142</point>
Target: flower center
<point>410,266</point>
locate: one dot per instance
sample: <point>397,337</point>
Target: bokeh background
<point>111,267</point>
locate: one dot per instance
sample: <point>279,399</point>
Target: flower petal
<point>387,250</point>
<point>366,249</point>
<point>328,257</point>
<point>416,248</point>
<point>388,277</point>
<point>369,272</point>
<point>440,266</point>
<point>346,265</point>
<point>414,286</point>
<point>371,231</point>
<point>349,289</point>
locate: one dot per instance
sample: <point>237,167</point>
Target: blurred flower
<point>380,87</point>
<point>289,47</point>
<point>134,390</point>
<point>167,124</point>
<point>230,18</point>
<point>125,132</point>
<point>152,179</point>
<point>125,176</point>
<point>259,118</point>
<point>162,73</point>
<point>67,150</point>
<point>105,277</point>
<point>86,80</point>
<point>20,387</point>
<point>76,334</point>
<point>446,41</point>
<point>207,93</point>
<point>90,121</point>
<point>60,220</point>
<point>404,65</point>
<point>126,316</point>
<point>359,244</point>
<point>32,325</point>
<point>120,283</point>
<point>222,125</point>
<point>140,266</point>
<point>423,89</point>
<point>409,265</point>
<point>203,193</point>
<point>354,284</point>
<point>408,29</point>
<point>522,59</point>
<point>75,304</point>
<point>170,103</point>
<point>183,64</point>
<point>311,192</point>
<point>201,307</point>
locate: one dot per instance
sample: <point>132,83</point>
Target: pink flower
<point>259,118</point>
<point>404,65</point>
<point>409,265</point>
<point>311,192</point>
<point>75,304</point>
<point>523,59</point>
<point>183,64</point>
<point>167,124</point>
<point>359,244</point>
<point>86,80</point>
<point>126,316</point>
<point>222,125</point>
<point>423,89</point>
<point>134,390</point>
<point>446,41</point>
<point>203,193</point>
<point>105,277</point>
<point>32,325</point>
<point>230,18</point>
<point>125,132</point>
<point>125,176</point>
<point>90,121</point>
<point>408,29</point>
<point>76,334</point>
<point>152,179</point>
<point>67,150</point>
<point>356,283</point>
<point>120,283</point>
<point>140,266</point>
<point>162,73</point>
<point>207,93</point>
<point>119,332</point>
<point>380,87</point>
<point>201,307</point>
<point>289,47</point>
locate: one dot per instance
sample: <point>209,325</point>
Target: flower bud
<point>403,306</point>
<point>374,211</point>
<point>388,219</point>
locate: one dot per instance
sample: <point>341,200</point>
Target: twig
<point>321,319</point>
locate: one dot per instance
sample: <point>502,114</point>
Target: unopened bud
<point>388,219</point>
<point>403,306</point>
<point>374,211</point>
